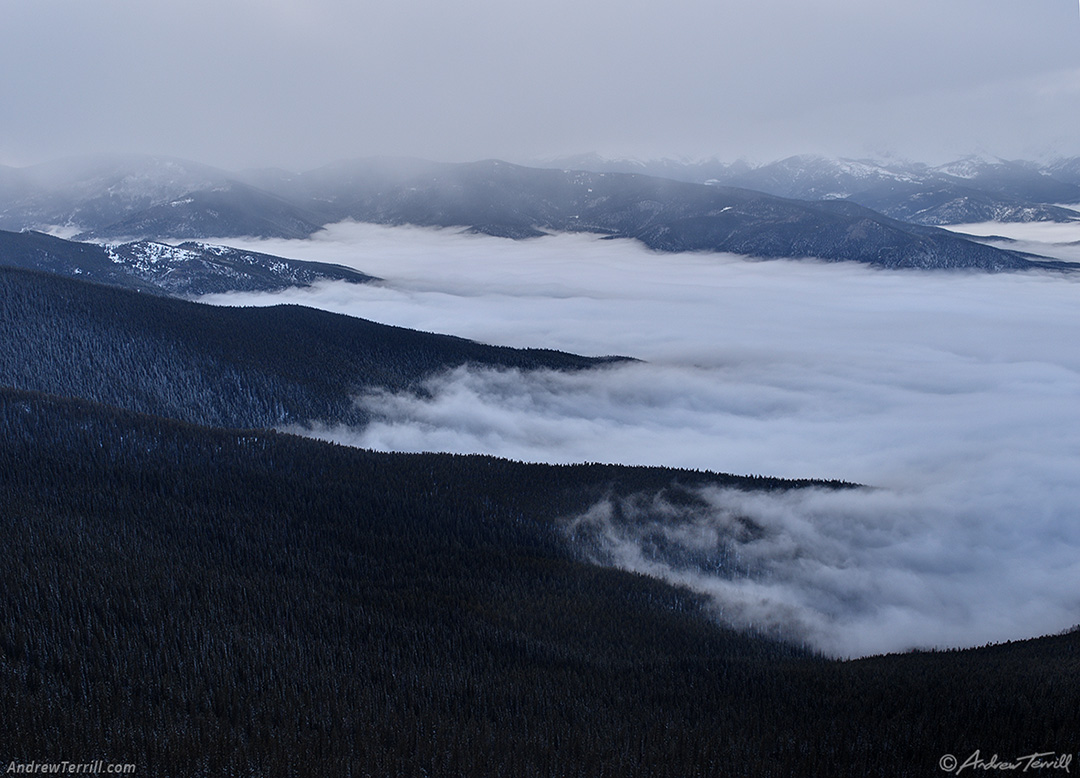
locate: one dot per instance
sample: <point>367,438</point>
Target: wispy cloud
<point>862,571</point>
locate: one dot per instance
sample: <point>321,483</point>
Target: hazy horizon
<point>110,157</point>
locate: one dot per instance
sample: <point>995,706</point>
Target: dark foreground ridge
<point>206,602</point>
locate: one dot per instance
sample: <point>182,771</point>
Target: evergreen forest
<point>215,602</point>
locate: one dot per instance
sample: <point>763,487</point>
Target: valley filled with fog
<point>951,395</point>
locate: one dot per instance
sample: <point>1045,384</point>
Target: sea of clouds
<point>955,396</point>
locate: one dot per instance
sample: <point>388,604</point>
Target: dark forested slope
<point>210,602</point>
<point>236,367</point>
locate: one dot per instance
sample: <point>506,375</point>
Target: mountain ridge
<point>190,269</point>
<point>967,190</point>
<point>222,366</point>
<point>507,200</point>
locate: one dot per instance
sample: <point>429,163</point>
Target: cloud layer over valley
<point>954,395</point>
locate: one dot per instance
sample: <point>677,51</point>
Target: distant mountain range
<point>229,210</point>
<point>98,190</point>
<point>973,189</point>
<point>188,270</point>
<point>152,200</point>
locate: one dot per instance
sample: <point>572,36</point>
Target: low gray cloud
<point>298,84</point>
<point>954,395</point>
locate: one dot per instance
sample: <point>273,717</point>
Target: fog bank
<point>955,395</point>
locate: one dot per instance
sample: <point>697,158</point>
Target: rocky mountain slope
<point>188,270</point>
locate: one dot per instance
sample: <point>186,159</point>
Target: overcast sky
<point>299,83</point>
